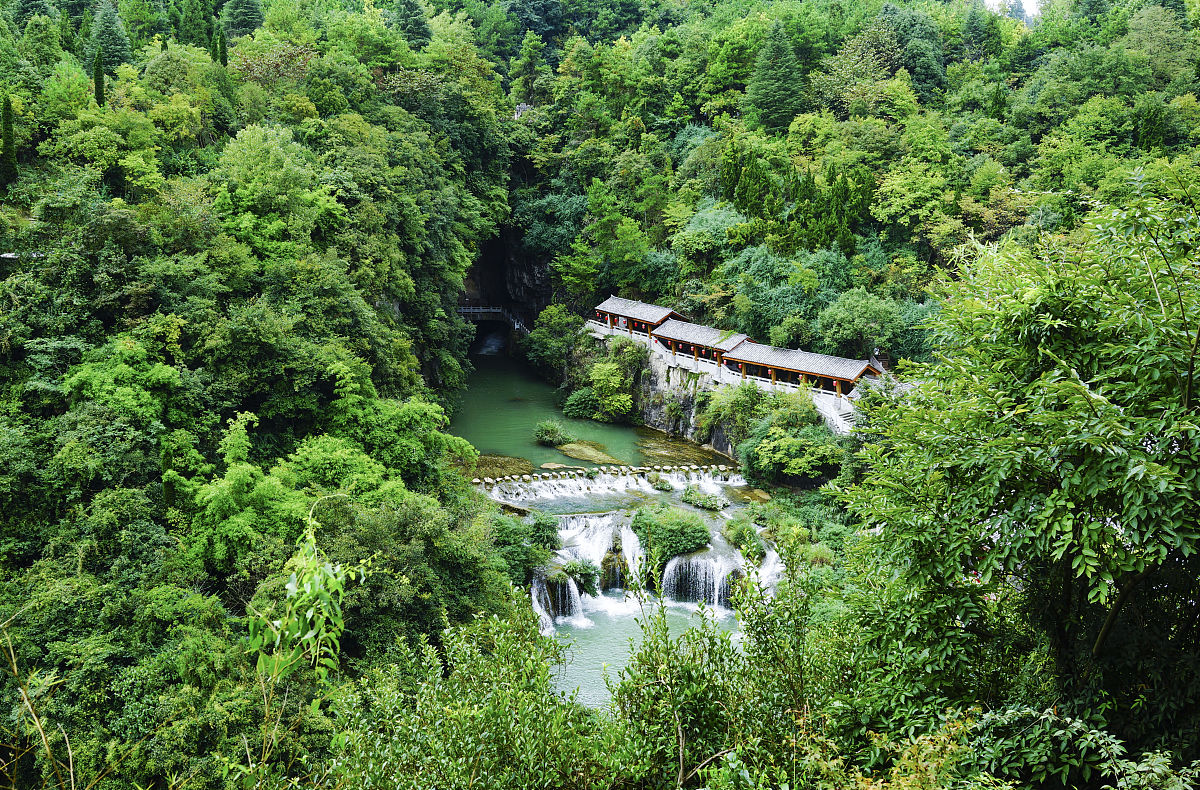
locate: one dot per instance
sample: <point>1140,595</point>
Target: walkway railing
<point>491,313</point>
<point>836,410</point>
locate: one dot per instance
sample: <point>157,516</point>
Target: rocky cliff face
<point>666,399</point>
<point>501,276</point>
<point>527,281</point>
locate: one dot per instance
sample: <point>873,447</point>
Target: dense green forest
<point>238,547</point>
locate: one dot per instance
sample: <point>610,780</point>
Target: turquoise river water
<point>505,400</point>
<point>497,414</point>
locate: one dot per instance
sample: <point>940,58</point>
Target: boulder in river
<point>497,466</point>
<point>587,451</point>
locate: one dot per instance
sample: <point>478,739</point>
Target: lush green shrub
<point>735,409</point>
<point>543,531</point>
<point>585,574</point>
<point>667,531</point>
<point>556,336</point>
<point>582,404</point>
<point>658,482</point>
<point>519,554</point>
<point>740,532</point>
<point>773,453</point>
<point>454,713</point>
<point>694,496</point>
<point>551,433</point>
<point>610,386</point>
<point>816,554</point>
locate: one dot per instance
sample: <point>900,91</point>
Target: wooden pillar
<point>837,385</point>
<point>743,370</point>
<point>671,343</point>
<point>610,322</point>
<point>772,376</point>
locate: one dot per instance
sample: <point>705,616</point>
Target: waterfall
<point>528,490</point>
<point>703,576</point>
<point>607,541</point>
<point>542,605</point>
<point>588,537</point>
<point>631,552</point>
<point>771,570</point>
<point>567,600</point>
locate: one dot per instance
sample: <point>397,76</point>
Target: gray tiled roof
<point>804,361</point>
<point>699,335</point>
<point>638,311</point>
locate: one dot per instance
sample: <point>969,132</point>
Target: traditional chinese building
<point>833,374</point>
<point>695,341</point>
<point>633,317</point>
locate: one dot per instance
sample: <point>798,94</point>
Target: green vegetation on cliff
<point>236,545</point>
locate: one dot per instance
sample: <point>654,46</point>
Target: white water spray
<point>528,490</point>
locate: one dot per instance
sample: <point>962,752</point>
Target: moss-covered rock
<point>502,466</point>
<point>588,451</point>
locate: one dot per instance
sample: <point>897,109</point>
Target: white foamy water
<point>601,629</point>
<point>576,486</point>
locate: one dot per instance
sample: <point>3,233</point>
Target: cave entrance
<point>503,276</point>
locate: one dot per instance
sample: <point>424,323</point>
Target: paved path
<point>836,410</point>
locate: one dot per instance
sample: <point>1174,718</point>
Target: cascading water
<point>771,570</point>
<point>704,576</point>
<point>594,538</point>
<point>587,537</point>
<point>607,542</point>
<point>567,600</point>
<point>575,486</point>
<point>631,553</point>
<point>542,605</point>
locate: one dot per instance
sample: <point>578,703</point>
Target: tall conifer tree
<point>8,148</point>
<point>222,49</point>
<point>25,9</point>
<point>98,76</point>
<point>195,24</point>
<point>240,17</point>
<point>773,95</point>
<point>109,37</point>
<point>410,19</point>
<point>66,32</point>
<point>83,41</point>
<point>530,75</point>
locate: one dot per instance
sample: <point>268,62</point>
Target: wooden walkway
<point>493,313</point>
<point>836,410</point>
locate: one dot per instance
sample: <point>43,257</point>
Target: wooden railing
<point>493,313</point>
<point>836,410</point>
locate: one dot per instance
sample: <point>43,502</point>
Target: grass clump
<point>741,533</point>
<point>585,574</point>
<point>550,433</point>
<point>658,482</point>
<point>666,532</point>
<point>694,496</point>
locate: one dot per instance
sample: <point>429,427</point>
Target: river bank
<point>506,399</point>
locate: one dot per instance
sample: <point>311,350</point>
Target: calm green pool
<point>601,640</point>
<point>505,400</point>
